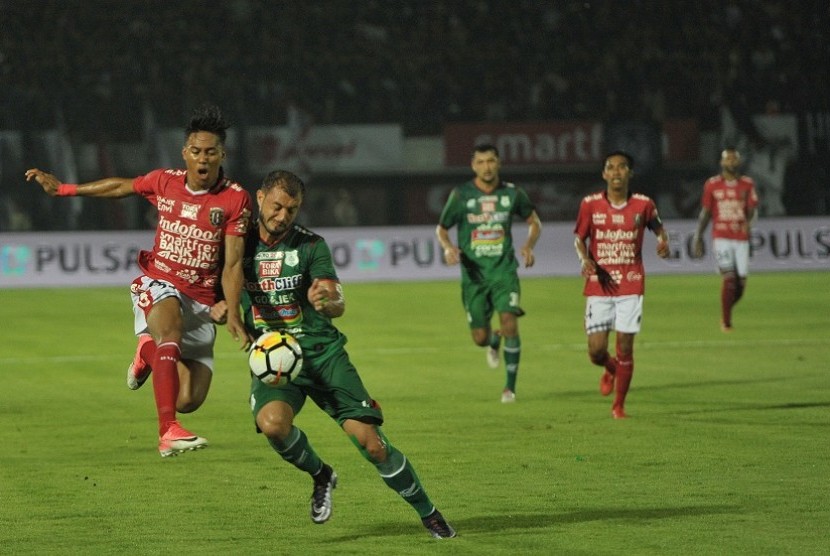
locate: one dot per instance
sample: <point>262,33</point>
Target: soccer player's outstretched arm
<point>114,188</point>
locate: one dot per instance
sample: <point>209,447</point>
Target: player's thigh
<point>477,304</point>
<point>156,307</point>
<point>506,295</point>
<point>263,395</point>
<point>629,313</point>
<point>600,314</point>
<point>741,249</point>
<point>724,254</point>
<point>334,384</point>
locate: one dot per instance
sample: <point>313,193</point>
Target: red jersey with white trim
<point>729,202</point>
<point>192,225</point>
<point>615,242</point>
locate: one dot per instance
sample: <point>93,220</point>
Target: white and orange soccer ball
<point>275,358</point>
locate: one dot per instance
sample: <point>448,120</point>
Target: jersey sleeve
<point>149,185</point>
<point>321,264</point>
<point>240,215</point>
<point>653,220</point>
<point>524,206</point>
<point>583,220</point>
<point>449,216</point>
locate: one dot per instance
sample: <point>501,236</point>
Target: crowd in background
<point>416,62</point>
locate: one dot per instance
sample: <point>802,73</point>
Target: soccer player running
<point>729,200</point>
<point>609,240</point>
<point>202,220</point>
<point>291,286</point>
<point>483,209</point>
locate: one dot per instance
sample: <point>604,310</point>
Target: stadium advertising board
<point>557,143</point>
<point>324,148</point>
<point>399,253</point>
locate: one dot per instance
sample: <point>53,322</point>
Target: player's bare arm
<point>452,254</point>
<point>587,265</point>
<point>326,296</point>
<point>114,188</point>
<point>662,244</point>
<point>534,230</point>
<point>702,222</point>
<point>232,281</point>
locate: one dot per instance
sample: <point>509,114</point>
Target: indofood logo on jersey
<point>616,235</point>
<point>191,231</point>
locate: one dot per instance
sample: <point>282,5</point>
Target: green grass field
<point>726,451</point>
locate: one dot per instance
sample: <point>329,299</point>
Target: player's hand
<point>219,312</point>
<point>452,255</point>
<point>663,250</point>
<point>698,248</point>
<point>47,181</point>
<point>589,267</point>
<point>238,332</point>
<point>325,296</point>
<point>527,255</point>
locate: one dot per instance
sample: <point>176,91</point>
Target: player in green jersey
<point>291,285</point>
<point>483,209</point>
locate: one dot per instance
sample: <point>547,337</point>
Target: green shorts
<point>331,381</point>
<point>483,299</point>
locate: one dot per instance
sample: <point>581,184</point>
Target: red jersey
<point>192,225</point>
<point>615,242</point>
<point>729,202</point>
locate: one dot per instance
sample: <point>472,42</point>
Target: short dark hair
<point>208,118</point>
<point>285,180</point>
<point>623,154</point>
<point>485,148</point>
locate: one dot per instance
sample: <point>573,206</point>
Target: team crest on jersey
<point>292,258</point>
<point>190,211</point>
<point>217,216</point>
<point>638,219</point>
<point>505,201</point>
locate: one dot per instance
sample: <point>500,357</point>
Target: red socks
<point>148,352</point>
<point>166,382</point>
<point>728,297</point>
<point>625,370</point>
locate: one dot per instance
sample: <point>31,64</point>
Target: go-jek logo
<point>14,259</point>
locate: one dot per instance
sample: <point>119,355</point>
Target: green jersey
<point>277,278</point>
<point>484,223</point>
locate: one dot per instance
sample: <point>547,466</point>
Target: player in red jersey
<point>609,240</point>
<point>729,201</point>
<point>202,218</point>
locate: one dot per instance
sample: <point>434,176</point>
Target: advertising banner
<point>324,148</point>
<point>375,254</point>
<point>558,143</point>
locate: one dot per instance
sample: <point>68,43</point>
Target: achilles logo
<point>633,276</point>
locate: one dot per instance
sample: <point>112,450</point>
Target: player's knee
<point>274,424</point>
<point>188,405</point>
<point>481,337</point>
<point>598,356</point>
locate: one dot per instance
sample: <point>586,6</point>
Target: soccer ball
<point>275,358</point>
